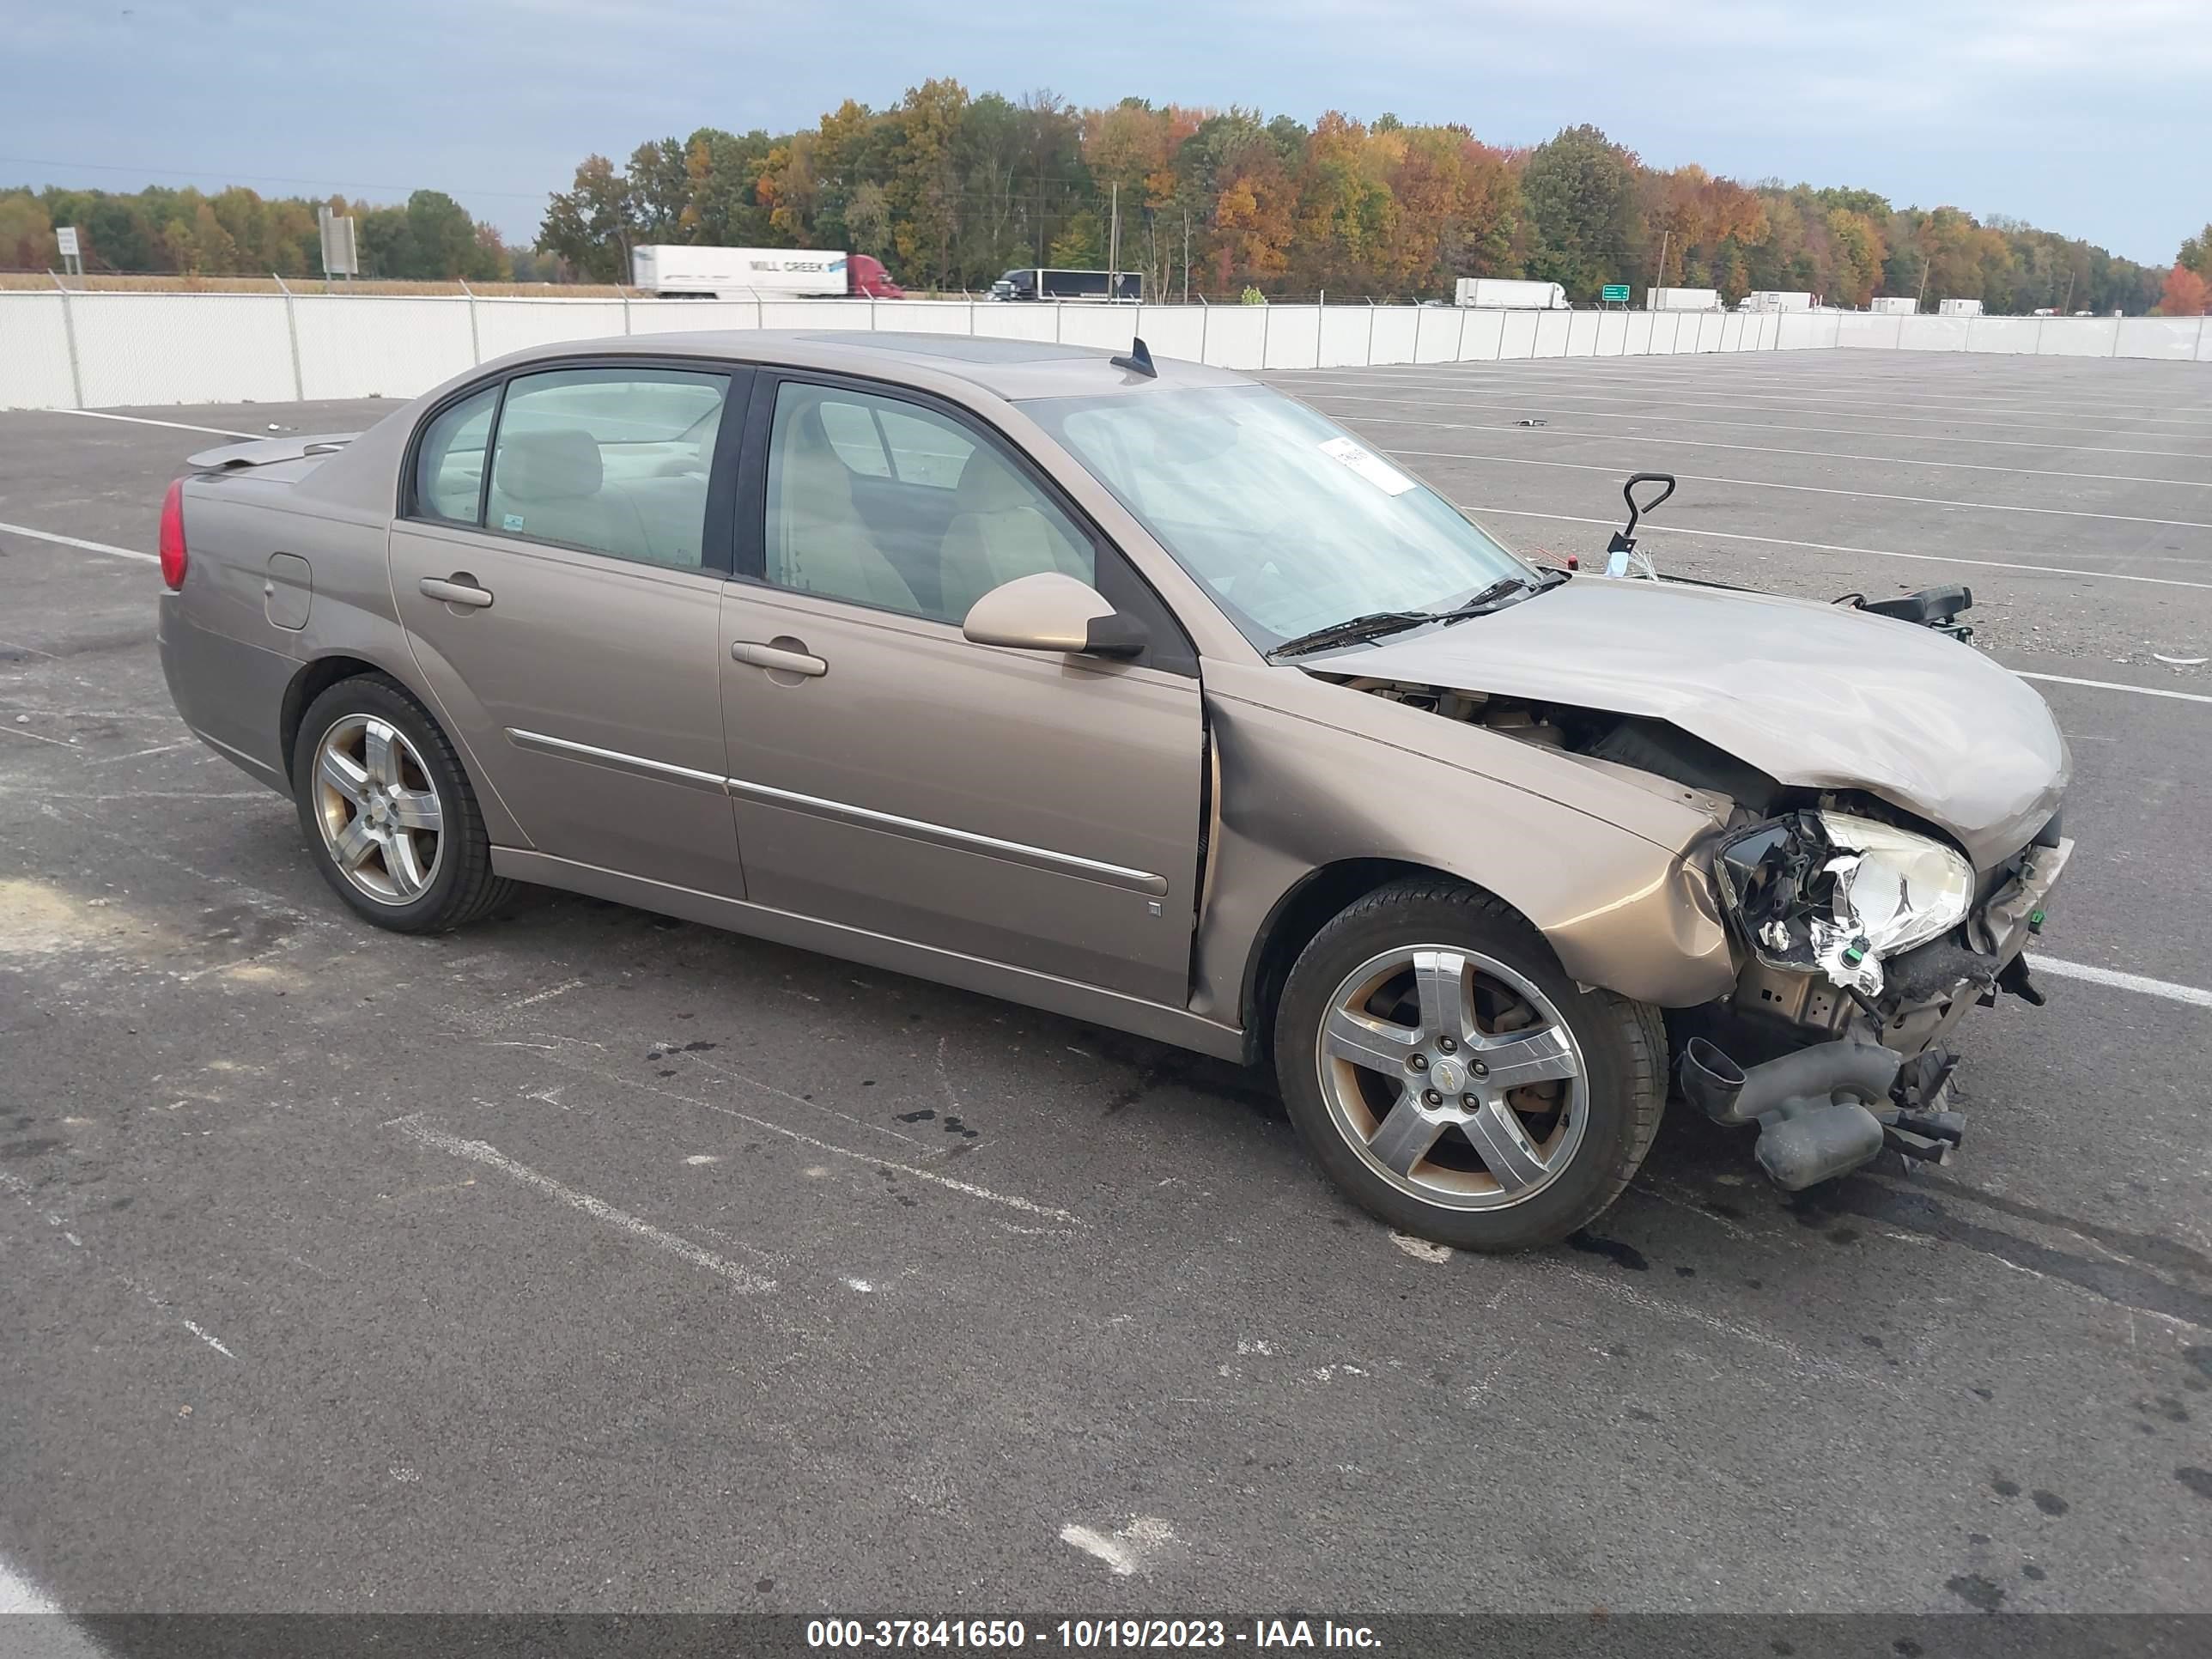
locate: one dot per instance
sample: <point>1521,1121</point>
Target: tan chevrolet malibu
<point>1141,693</point>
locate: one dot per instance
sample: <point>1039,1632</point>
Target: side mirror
<point>1050,611</point>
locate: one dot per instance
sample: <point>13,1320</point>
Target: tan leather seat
<point>548,484</point>
<point>820,544</point>
<point>999,531</point>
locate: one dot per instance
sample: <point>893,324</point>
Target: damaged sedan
<point>1141,693</point>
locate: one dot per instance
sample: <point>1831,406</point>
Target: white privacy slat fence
<point>103,350</point>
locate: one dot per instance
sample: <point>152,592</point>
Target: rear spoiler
<point>266,452</point>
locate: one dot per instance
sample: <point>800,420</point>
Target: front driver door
<point>562,602</point>
<point>1029,808</point>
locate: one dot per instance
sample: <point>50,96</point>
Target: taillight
<point>172,537</point>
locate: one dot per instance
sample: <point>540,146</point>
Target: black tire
<point>462,888</point>
<point>1623,1046</point>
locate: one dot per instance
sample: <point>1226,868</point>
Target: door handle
<point>459,588</point>
<point>776,658</point>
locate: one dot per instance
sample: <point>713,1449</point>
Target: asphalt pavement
<point>589,1260</point>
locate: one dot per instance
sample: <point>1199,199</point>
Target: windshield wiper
<point>1504,587</point>
<point>1352,631</point>
<point>1376,624</point>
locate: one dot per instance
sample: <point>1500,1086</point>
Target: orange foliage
<point>2187,294</point>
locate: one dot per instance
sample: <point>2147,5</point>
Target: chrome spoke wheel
<point>378,808</point>
<point>1453,1076</point>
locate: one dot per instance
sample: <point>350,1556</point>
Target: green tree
<point>2196,253</point>
<point>588,226</point>
<point>1579,189</point>
<point>659,189</point>
<point>1081,244</point>
<point>442,237</point>
<point>924,182</point>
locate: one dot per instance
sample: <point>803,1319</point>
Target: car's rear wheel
<point>1451,1079</point>
<point>389,814</point>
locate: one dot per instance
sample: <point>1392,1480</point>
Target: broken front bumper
<point>1850,1079</point>
<point>1925,990</point>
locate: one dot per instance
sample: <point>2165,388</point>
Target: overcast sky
<point>2087,117</point>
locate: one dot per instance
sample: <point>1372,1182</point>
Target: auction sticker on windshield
<point>1369,465</point>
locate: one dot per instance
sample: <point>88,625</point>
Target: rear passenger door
<point>558,566</point>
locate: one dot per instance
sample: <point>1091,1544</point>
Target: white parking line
<point>142,420</point>
<point>2120,981</point>
<point>1670,418</point>
<point>748,1282</point>
<point>2188,422</point>
<point>74,541</point>
<point>1817,489</point>
<point>1770,449</point>
<point>1634,372</point>
<point>1836,547</point>
<point>2115,685</point>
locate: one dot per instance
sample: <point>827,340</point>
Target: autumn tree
<point>2186,294</point>
<point>27,235</point>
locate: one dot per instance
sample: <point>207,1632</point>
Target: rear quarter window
<point>449,463</point>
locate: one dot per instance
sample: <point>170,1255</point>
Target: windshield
<point>1290,522</point>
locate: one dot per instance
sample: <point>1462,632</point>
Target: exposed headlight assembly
<point>1831,891</point>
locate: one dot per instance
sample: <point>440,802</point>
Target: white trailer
<point>1775,300</point>
<point>1682,298</point>
<point>1496,292</point>
<point>744,273</point>
<point>1892,305</point>
<point>1958,308</point>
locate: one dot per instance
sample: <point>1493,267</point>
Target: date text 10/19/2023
<point>1084,1635</point>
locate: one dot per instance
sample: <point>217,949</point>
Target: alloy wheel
<point>382,822</point>
<point>1453,1076</point>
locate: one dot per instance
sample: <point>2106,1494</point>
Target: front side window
<point>1289,521</point>
<point>890,504</point>
<point>612,460</point>
<point>449,462</point>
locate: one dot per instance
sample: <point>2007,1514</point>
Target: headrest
<point>987,484</point>
<point>814,483</point>
<point>553,464</point>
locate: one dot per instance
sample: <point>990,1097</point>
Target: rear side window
<point>449,464</point>
<point>611,460</point>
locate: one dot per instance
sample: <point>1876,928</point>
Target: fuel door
<point>286,591</point>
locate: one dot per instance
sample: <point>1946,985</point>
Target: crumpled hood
<point>1817,696</point>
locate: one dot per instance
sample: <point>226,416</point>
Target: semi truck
<point>1492,292</point>
<point>1045,282</point>
<point>1958,308</point>
<point>1682,298</point>
<point>1893,305</point>
<point>1775,300</point>
<point>675,273</point>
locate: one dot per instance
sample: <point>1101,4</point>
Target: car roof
<point>1012,369</point>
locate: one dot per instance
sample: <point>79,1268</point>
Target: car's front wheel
<point>389,814</point>
<point>1450,1076</point>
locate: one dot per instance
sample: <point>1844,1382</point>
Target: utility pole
<point>1920,299</point>
<point>1186,255</point>
<point>1114,241</point>
<point>1660,281</point>
<point>2066,310</point>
